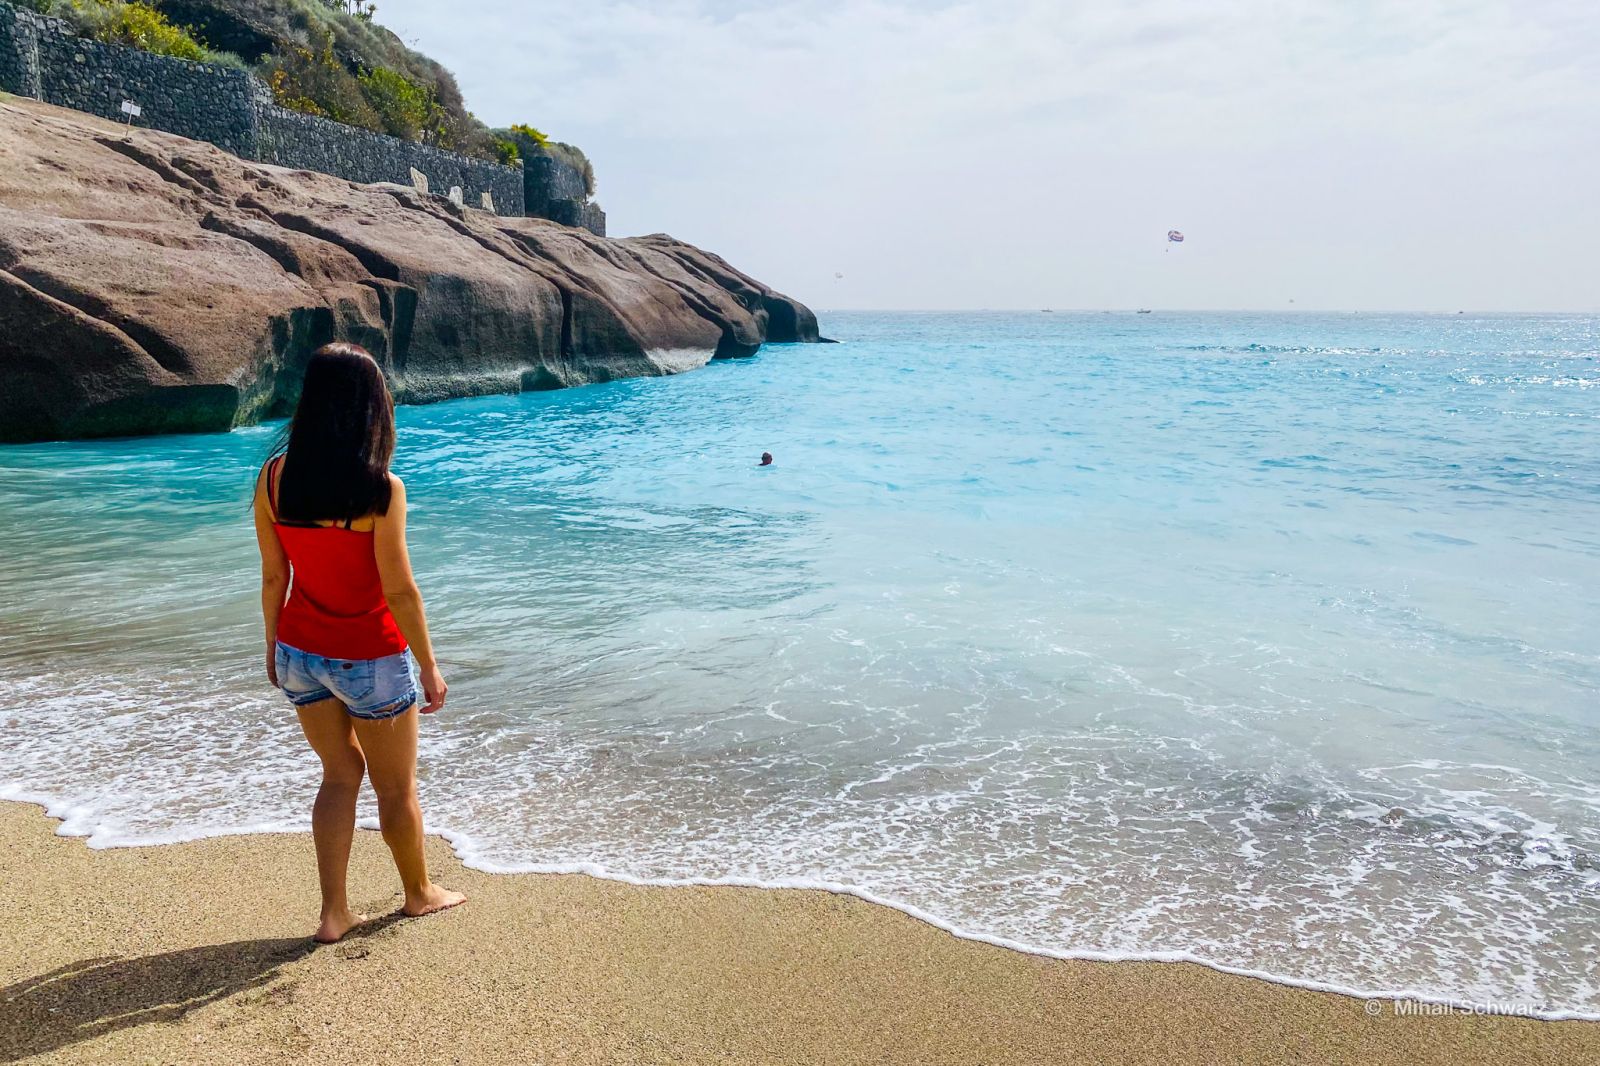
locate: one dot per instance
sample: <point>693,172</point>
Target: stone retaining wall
<point>554,189</point>
<point>306,142</point>
<point>42,58</point>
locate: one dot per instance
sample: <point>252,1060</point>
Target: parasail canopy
<point>1174,236</point>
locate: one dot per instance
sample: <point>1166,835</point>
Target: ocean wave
<point>1274,657</point>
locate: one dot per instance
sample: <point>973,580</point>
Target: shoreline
<point>614,972</point>
<point>461,853</point>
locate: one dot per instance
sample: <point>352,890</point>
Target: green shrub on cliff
<point>146,28</point>
<point>526,132</point>
<point>381,100</point>
<point>407,110</point>
<point>316,83</point>
<point>136,25</point>
<point>506,150</point>
<point>272,33</point>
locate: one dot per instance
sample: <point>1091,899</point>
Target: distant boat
<point>1142,311</point>
<point>1047,311</point>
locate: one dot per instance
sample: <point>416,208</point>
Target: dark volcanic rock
<point>153,284</point>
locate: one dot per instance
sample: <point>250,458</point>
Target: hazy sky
<point>1417,154</point>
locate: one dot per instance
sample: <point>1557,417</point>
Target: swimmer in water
<point>766,459</point>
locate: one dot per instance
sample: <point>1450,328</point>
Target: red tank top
<point>336,606</point>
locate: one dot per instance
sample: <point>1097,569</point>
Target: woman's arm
<point>274,570</point>
<point>405,600</point>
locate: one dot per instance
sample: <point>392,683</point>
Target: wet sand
<point>198,953</point>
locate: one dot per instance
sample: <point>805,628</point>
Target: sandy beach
<point>197,953</point>
<point>985,534</point>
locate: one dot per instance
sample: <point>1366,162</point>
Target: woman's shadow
<point>86,999</point>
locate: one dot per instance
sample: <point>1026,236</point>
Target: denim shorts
<point>369,688</point>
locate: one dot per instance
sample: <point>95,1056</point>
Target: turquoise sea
<point>1264,639</point>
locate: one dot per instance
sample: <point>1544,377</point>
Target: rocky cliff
<point>154,284</point>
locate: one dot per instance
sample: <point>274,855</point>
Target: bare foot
<point>431,899</point>
<point>335,926</point>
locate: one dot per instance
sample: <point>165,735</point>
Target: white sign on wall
<point>131,109</point>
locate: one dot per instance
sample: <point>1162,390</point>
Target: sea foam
<point>1256,641</point>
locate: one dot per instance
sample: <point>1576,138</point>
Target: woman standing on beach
<point>343,645</point>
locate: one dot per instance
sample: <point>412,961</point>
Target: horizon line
<point>1194,310</point>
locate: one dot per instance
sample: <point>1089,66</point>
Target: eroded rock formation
<point>154,284</point>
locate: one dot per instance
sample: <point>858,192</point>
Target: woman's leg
<point>390,745</point>
<point>333,817</point>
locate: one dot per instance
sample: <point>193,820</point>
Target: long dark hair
<point>338,445</point>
